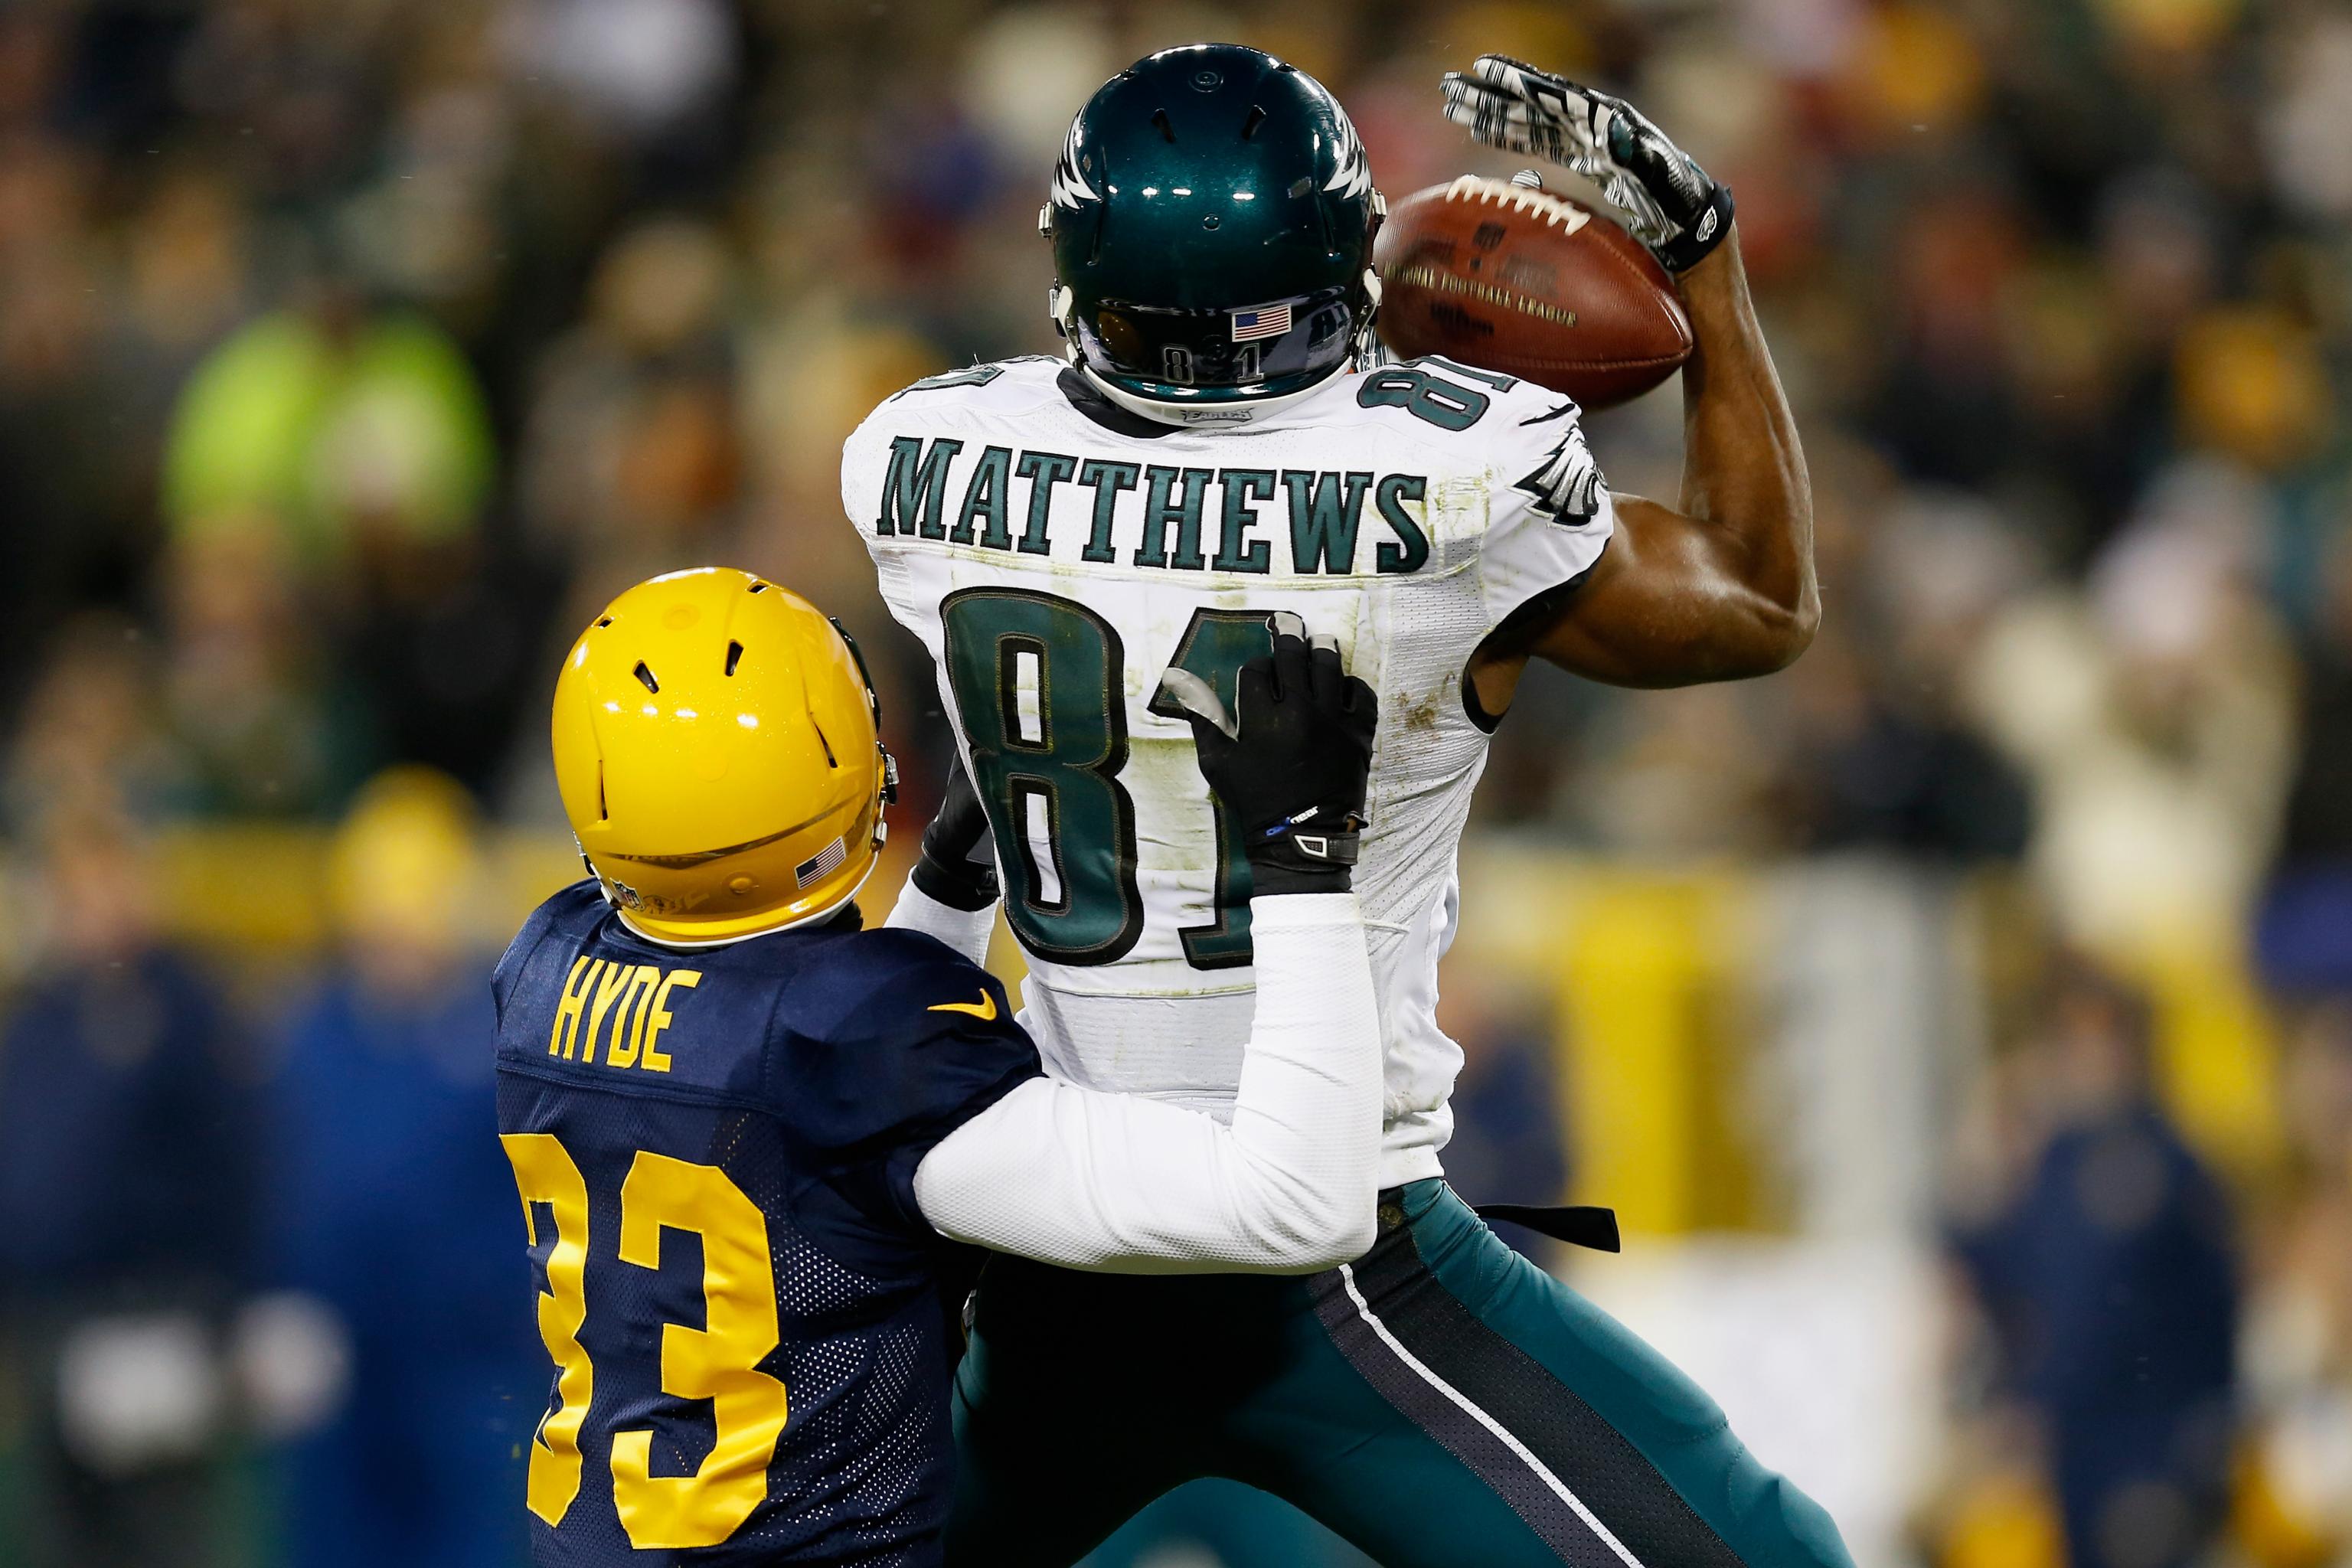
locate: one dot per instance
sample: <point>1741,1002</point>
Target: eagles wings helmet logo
<point>1353,172</point>
<point>1070,187</point>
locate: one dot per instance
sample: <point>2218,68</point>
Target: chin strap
<point>1368,343</point>
<point>1366,347</point>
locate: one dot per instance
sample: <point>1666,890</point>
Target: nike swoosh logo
<point>985,1009</point>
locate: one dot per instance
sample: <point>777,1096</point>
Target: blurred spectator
<point>2309,122</point>
<point>345,425</point>
<point>1947,410</point>
<point>629,464</point>
<point>2111,1281</point>
<point>2320,811</point>
<point>93,736</point>
<point>1884,755</point>
<point>71,526</point>
<point>2153,715</point>
<point>1681,773</point>
<point>2298,1357</point>
<point>2306,932</point>
<point>247,692</point>
<point>396,1223</point>
<point>1907,777</point>
<point>652,74</point>
<point>126,1198</point>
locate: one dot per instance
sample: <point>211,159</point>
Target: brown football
<point>1512,279</point>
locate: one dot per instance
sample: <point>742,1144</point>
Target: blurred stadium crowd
<point>351,354</point>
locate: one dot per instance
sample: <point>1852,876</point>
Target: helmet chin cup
<point>1061,308</point>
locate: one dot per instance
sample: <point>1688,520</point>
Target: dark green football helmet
<point>1212,217</point>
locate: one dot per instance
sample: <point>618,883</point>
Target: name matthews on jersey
<point>1325,510</point>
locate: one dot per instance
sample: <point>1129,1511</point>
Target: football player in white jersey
<point>1089,548</point>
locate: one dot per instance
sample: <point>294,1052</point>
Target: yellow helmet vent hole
<point>734,656</point>
<point>830,760</point>
<point>647,676</point>
<point>757,588</point>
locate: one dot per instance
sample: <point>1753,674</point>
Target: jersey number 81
<point>1041,685</point>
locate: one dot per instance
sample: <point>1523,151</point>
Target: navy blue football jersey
<point>716,1150</point>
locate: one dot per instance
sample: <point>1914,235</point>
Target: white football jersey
<point>1057,553</point>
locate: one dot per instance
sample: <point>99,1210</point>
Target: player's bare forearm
<point>1723,588</point>
<point>1744,468</point>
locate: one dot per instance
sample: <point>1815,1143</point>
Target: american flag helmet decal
<point>1266,322</point>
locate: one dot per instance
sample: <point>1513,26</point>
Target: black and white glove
<point>1670,204</point>
<point>956,868</point>
<point>1292,762</point>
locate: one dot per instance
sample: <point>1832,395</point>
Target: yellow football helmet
<point>717,744</point>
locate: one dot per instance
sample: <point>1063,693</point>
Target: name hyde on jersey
<point>637,998</point>
<point>1178,518</point>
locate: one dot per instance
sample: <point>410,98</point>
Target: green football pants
<point>1442,1403</point>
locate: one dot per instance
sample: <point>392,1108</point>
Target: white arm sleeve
<point>966,931</point>
<point>1111,1182</point>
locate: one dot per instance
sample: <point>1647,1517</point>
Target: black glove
<point>956,868</point>
<point>1670,204</point>
<point>1292,762</point>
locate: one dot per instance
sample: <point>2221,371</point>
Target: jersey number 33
<point>718,1363</point>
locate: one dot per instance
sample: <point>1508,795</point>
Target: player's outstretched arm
<point>1720,587</point>
<point>1116,1183</point>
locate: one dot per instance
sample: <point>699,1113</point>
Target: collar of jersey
<point>1210,417</point>
<point>830,912</point>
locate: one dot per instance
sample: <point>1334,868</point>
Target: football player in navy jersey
<point>747,1133</point>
